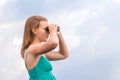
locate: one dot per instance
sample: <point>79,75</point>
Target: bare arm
<point>63,50</point>
<point>38,48</point>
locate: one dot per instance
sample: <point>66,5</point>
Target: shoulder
<point>30,50</point>
<point>33,49</point>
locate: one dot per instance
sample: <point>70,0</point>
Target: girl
<point>39,40</point>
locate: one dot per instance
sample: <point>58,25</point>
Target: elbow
<point>66,56</point>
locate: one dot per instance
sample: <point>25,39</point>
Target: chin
<point>45,40</point>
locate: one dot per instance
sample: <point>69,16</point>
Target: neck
<point>35,40</point>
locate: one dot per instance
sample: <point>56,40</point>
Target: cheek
<point>42,33</point>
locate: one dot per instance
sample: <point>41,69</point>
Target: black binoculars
<point>58,28</point>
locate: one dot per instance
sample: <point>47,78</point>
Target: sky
<point>91,29</point>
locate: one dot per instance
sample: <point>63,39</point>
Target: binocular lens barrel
<point>58,28</point>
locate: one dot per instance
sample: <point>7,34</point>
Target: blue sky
<point>91,30</point>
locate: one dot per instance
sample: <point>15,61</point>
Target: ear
<point>34,30</point>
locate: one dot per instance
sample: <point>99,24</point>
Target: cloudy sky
<point>91,29</point>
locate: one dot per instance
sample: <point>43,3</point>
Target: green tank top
<point>42,70</point>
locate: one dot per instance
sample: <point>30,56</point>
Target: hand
<point>52,28</point>
<point>59,33</point>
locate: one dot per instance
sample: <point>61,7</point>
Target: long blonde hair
<point>31,22</point>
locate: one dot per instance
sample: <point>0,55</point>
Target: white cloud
<point>1,39</point>
<point>116,73</point>
<point>4,70</point>
<point>97,9</point>
<point>15,70</point>
<point>19,68</point>
<point>6,12</point>
<point>72,18</point>
<point>17,41</point>
<point>49,1</point>
<point>72,41</point>
<point>117,1</point>
<point>97,37</point>
<point>94,13</point>
<point>12,25</point>
<point>2,2</point>
<point>6,25</point>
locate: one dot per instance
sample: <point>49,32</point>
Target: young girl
<point>39,40</point>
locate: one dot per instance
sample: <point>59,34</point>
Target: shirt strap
<point>25,57</point>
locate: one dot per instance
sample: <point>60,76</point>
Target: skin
<point>42,45</point>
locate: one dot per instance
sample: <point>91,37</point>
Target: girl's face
<point>41,32</point>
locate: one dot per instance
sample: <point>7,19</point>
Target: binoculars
<point>58,28</point>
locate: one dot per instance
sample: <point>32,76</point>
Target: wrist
<point>59,33</point>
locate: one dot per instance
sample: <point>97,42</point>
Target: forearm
<point>53,38</point>
<point>53,34</point>
<point>63,50</point>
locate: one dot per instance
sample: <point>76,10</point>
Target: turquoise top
<point>42,70</point>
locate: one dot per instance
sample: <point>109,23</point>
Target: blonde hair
<point>31,22</point>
